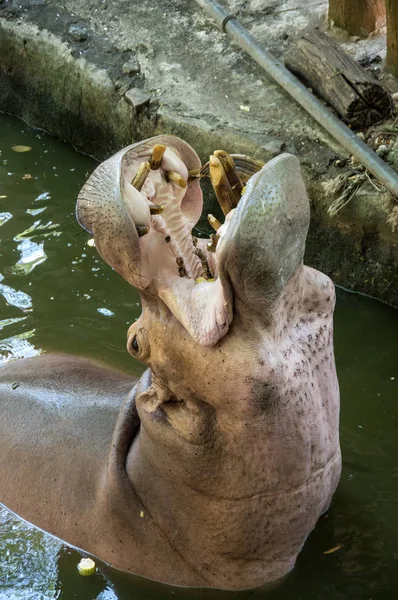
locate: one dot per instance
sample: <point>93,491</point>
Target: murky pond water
<point>57,295</point>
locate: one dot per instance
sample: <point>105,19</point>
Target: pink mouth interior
<point>181,270</point>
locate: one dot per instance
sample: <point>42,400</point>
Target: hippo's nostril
<point>134,344</point>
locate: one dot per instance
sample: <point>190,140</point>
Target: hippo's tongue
<point>141,206</point>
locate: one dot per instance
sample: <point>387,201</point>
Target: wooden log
<point>322,65</point>
<point>358,17</point>
<point>392,36</point>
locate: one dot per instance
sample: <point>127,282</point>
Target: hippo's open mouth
<point>142,204</point>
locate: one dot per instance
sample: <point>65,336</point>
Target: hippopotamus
<point>213,468</point>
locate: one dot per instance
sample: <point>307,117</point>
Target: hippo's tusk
<point>156,209</point>
<point>231,172</point>
<point>221,185</point>
<point>215,223</point>
<point>175,178</point>
<point>245,165</point>
<point>212,245</point>
<point>141,175</point>
<point>142,230</point>
<point>157,156</point>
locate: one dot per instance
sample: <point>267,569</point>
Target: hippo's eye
<point>137,342</point>
<point>134,344</point>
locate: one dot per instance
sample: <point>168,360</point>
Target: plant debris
<point>20,148</point>
<point>334,549</point>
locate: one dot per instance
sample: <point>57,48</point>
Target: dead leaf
<point>27,176</point>
<point>20,148</point>
<point>331,550</point>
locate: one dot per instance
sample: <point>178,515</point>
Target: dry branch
<point>359,98</point>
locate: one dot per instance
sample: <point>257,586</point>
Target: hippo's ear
<point>264,242</point>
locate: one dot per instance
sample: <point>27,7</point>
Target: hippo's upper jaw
<point>239,419</point>
<point>146,233</point>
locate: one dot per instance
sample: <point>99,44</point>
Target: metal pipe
<point>277,70</point>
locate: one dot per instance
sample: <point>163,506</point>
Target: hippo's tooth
<point>175,178</point>
<point>157,155</point>
<point>212,245</point>
<point>156,209</point>
<point>231,172</point>
<point>181,267</point>
<point>141,175</point>
<point>221,185</point>
<point>215,223</point>
<point>142,230</point>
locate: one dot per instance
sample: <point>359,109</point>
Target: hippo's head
<point>241,398</point>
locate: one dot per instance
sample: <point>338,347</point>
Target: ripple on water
<point>28,561</point>
<point>15,298</point>
<point>4,217</point>
<point>18,346</point>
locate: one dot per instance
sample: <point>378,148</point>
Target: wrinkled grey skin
<point>215,467</point>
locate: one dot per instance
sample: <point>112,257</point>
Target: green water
<point>57,295</point>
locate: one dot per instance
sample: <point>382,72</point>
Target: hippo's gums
<point>214,468</point>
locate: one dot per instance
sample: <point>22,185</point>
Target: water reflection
<point>37,229</point>
<point>32,255</point>
<point>28,569</point>
<point>6,322</point>
<point>4,217</point>
<point>18,346</point>
<point>15,298</point>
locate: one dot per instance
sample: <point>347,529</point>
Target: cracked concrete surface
<point>66,67</point>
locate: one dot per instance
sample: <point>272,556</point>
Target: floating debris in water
<point>91,243</point>
<point>334,549</point>
<point>245,108</point>
<point>27,176</point>
<point>86,567</point>
<point>21,148</point>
